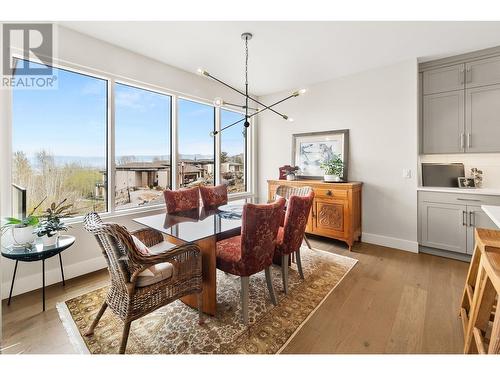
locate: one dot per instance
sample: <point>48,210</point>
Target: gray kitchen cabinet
<point>449,78</point>
<point>482,72</point>
<point>444,226</point>
<point>482,121</point>
<point>443,123</point>
<point>476,218</point>
<point>446,221</point>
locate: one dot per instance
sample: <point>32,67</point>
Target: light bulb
<point>290,119</point>
<point>218,102</point>
<point>302,91</point>
<point>202,72</point>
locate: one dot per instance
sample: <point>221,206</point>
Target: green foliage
<point>50,222</point>
<point>333,166</point>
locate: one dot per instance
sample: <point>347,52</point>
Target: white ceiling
<point>289,55</point>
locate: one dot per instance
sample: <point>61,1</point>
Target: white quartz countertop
<point>482,191</point>
<point>493,212</point>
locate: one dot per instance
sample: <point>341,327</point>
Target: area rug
<point>174,329</point>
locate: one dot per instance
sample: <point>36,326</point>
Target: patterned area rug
<point>174,329</point>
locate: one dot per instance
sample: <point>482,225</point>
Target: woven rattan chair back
<point>287,191</point>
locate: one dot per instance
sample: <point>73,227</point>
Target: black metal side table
<point>35,253</point>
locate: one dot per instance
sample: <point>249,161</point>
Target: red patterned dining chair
<point>252,251</point>
<point>184,199</point>
<point>286,192</point>
<point>213,196</point>
<point>290,235</point>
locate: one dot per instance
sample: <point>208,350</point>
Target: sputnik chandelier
<point>218,102</point>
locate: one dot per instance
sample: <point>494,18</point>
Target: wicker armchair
<point>286,192</point>
<point>125,264</point>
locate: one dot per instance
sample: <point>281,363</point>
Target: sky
<point>71,121</point>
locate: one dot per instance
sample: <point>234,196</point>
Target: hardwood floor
<point>391,302</point>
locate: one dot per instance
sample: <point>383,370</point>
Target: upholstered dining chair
<point>252,251</point>
<point>291,233</point>
<point>184,199</point>
<point>288,191</point>
<point>146,273</point>
<point>213,196</point>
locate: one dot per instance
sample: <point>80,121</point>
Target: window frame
<point>111,79</point>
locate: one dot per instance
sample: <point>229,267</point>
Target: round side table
<point>35,253</point>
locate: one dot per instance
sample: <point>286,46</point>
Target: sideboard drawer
<point>330,193</point>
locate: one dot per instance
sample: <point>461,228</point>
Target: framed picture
<point>465,183</point>
<point>309,150</point>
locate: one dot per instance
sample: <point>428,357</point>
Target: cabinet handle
<point>462,76</point>
<point>329,193</point>
<point>462,140</point>
<point>464,218</point>
<point>472,219</point>
<point>469,140</point>
<point>469,199</point>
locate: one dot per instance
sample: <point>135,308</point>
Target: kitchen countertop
<point>493,212</point>
<point>482,191</point>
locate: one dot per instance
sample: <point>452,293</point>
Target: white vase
<point>23,235</point>
<point>331,178</point>
<point>49,241</point>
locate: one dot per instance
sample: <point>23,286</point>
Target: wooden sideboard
<point>336,210</point>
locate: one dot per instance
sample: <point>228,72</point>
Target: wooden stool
<point>479,301</point>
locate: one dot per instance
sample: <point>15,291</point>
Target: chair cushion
<point>155,274</point>
<point>229,255</point>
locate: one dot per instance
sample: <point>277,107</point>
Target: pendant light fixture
<point>249,111</point>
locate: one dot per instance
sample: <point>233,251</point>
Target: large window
<point>142,146</point>
<point>59,142</point>
<point>60,145</point>
<point>233,152</point>
<point>196,159</point>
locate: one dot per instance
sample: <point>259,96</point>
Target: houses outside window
<point>233,152</point>
<point>142,146</point>
<point>196,147</point>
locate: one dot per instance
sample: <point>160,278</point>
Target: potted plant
<point>22,230</point>
<point>51,224</point>
<point>334,168</point>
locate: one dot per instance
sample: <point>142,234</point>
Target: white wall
<point>379,107</point>
<point>88,53</point>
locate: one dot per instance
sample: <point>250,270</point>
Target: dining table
<point>204,227</point>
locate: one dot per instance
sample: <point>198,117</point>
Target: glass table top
<point>37,251</point>
<point>197,224</point>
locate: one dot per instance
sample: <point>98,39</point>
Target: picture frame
<point>310,149</point>
<point>466,183</point>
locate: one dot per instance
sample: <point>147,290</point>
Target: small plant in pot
<point>334,168</point>
<point>51,222</point>
<point>22,230</point>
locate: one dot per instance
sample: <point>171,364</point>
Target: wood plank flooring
<point>391,302</point>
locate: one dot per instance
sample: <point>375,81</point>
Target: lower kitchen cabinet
<point>447,220</point>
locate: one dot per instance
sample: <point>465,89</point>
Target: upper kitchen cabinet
<point>482,72</point>
<point>482,121</point>
<point>460,104</point>
<point>449,78</point>
<point>443,123</point>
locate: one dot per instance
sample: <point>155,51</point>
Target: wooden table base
<point>209,272</point>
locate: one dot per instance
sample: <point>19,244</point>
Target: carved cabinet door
<point>329,216</point>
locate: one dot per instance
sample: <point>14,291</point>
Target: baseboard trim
<point>52,276</point>
<point>397,243</point>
